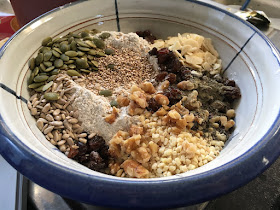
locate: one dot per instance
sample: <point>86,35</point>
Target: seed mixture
<point>131,105</point>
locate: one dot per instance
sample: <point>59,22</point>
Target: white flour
<point>93,108</point>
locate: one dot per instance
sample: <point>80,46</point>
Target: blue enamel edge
<point>150,193</point>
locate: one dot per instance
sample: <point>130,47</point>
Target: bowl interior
<point>249,58</point>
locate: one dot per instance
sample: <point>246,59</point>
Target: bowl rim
<point>212,183</point>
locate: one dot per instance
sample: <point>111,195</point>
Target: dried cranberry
<point>82,148</point>
<point>171,78</point>
<point>72,153</point>
<point>153,106</point>
<point>96,143</point>
<point>161,76</point>
<point>173,94</point>
<point>163,51</point>
<point>162,58</point>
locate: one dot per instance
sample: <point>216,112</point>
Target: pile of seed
<point>120,69</point>
<point>75,53</point>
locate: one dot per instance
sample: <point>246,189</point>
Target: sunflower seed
<point>48,129</point>
<point>47,86</point>
<point>56,112</point>
<point>49,117</point>
<point>46,108</point>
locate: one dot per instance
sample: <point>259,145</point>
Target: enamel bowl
<point>248,57</point>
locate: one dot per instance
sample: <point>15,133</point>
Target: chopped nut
<point>174,114</point>
<point>134,129</point>
<point>113,116</point>
<point>185,85</point>
<point>140,98</point>
<point>123,101</point>
<point>148,87</point>
<point>134,169</point>
<point>165,85</point>
<point>141,155</point>
<point>161,99</point>
<point>161,112</point>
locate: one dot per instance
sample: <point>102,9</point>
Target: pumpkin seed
<point>80,53</point>
<point>81,43</point>
<point>90,43</point>
<point>55,72</point>
<point>64,47</point>
<point>31,78</point>
<point>39,89</point>
<point>48,64</point>
<point>95,63</point>
<point>113,103</point>
<point>104,35</point>
<point>35,85</point>
<point>39,59</point>
<point>99,43</point>
<point>94,31</point>
<point>31,63</point>
<point>88,38</point>
<point>49,44</point>
<point>100,54</point>
<point>64,66</point>
<point>44,49</point>
<point>58,63</point>
<point>55,53</point>
<point>85,49</point>
<point>57,50</point>
<point>40,78</point>
<point>47,86</point>
<point>47,55</point>
<point>90,57</point>
<point>42,73</point>
<point>70,61</point>
<point>84,34</point>
<point>85,70</point>
<point>76,35</point>
<point>109,51</point>
<point>46,41</point>
<point>52,59</point>
<point>50,96</point>
<point>111,66</point>
<point>92,52</point>
<point>56,40</point>
<point>81,63</point>
<point>73,46</point>
<point>64,57</point>
<point>42,67</point>
<point>71,53</point>
<point>94,68</point>
<point>73,73</point>
<point>72,66</point>
<point>51,78</point>
<point>50,69</point>
<point>36,71</point>
<point>106,93</point>
<point>70,39</point>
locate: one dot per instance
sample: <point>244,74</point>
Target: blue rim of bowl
<point>150,193</point>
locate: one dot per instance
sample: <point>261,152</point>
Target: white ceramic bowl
<point>252,61</point>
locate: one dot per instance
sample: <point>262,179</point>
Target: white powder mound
<point>93,108</point>
<point>130,41</point>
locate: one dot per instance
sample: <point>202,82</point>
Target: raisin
<point>94,156</point>
<point>185,74</point>
<point>154,51</point>
<point>82,148</point>
<point>153,106</point>
<point>72,153</point>
<point>231,93</point>
<point>230,83</point>
<point>95,166</point>
<point>173,94</point>
<point>147,35</point>
<point>104,152</point>
<point>161,76</point>
<point>171,78</point>
<point>82,158</point>
<point>96,143</point>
